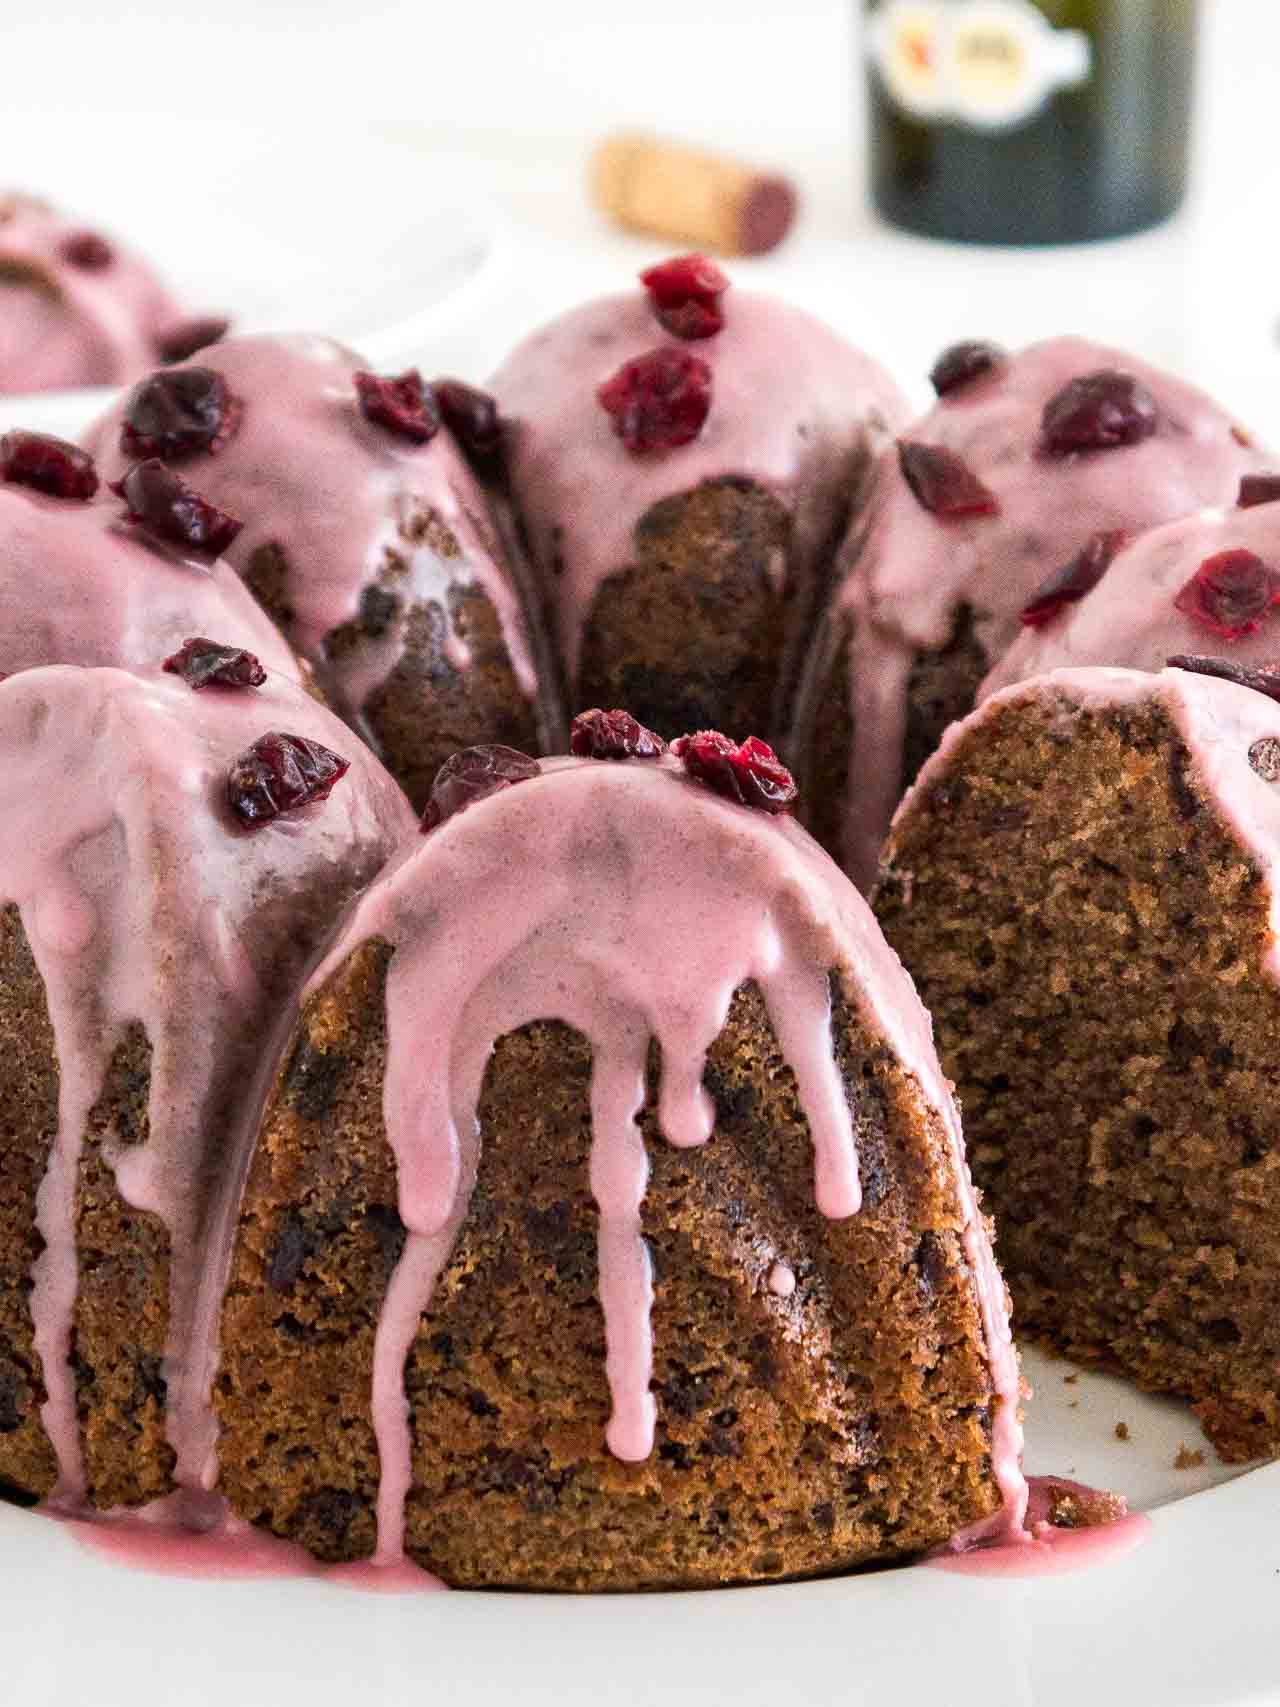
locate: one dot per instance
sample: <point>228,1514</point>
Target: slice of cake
<point>1083,885</point>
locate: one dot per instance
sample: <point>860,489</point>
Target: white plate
<point>1187,1620</point>
<point>371,241</point>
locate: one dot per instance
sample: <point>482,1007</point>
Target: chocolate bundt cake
<point>682,461</point>
<point>77,308</point>
<point>365,536</point>
<point>609,1225</point>
<point>1026,466</point>
<point>167,870</point>
<point>1204,585</point>
<point>1082,883</point>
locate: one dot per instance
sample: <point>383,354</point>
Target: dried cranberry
<point>205,664</point>
<point>87,250</point>
<point>943,483</point>
<point>278,774</point>
<point>470,415</point>
<point>403,405</point>
<point>960,364</point>
<point>750,773</point>
<point>167,507</point>
<point>613,735</point>
<point>183,341</point>
<point>175,415</point>
<point>471,775</point>
<point>659,400</point>
<point>685,293</point>
<point>50,465</point>
<point>1258,489</point>
<point>1070,583</point>
<point>1230,593</point>
<point>1098,411</point>
<point>1261,681</point>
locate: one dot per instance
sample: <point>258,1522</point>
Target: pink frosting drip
<point>909,571</point>
<point>1046,1551</point>
<point>793,407</point>
<point>65,325</point>
<point>305,471</point>
<point>485,943</point>
<point>143,902</point>
<point>81,588</point>
<point>1129,619</point>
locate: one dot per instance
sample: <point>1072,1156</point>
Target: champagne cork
<point>706,200</point>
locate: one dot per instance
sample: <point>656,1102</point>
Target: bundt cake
<point>1026,465</point>
<point>682,461</point>
<point>1082,883</point>
<point>167,871</point>
<point>365,535</point>
<point>609,1225</point>
<point>79,309</point>
<point>81,584</point>
<point>1206,584</point>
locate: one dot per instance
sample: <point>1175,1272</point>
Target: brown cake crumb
<point>1074,1507</point>
<point>1189,1458</point>
<point>1122,1431</point>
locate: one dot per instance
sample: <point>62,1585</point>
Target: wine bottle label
<point>992,64</point>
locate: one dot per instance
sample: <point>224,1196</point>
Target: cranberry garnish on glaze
<point>1070,583</point>
<point>403,405</point>
<point>658,401</point>
<point>168,508</point>
<point>205,664</point>
<point>179,343</point>
<point>613,735</point>
<point>280,773</point>
<point>943,483</point>
<point>750,773</point>
<point>1098,411</point>
<point>1258,489</point>
<point>471,416</point>
<point>685,294</point>
<point>50,465</point>
<point>471,775</point>
<point>1230,593</point>
<point>960,364</point>
<point>175,415</point>
<point>85,249</point>
<point>1261,681</point>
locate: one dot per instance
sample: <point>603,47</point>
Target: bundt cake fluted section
<point>1083,884</point>
<point>609,1225</point>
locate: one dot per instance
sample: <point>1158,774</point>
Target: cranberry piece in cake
<point>47,464</point>
<point>471,415</point>
<point>685,292</point>
<point>1098,411</point>
<point>943,483</point>
<point>179,343</point>
<point>167,507</point>
<point>280,773</point>
<point>471,775</point>
<point>1070,583</point>
<point>88,251</point>
<point>204,664</point>
<point>613,735</point>
<point>750,772</point>
<point>1261,681</point>
<point>176,415</point>
<point>659,401</point>
<point>1258,489</point>
<point>403,405</point>
<point>1230,593</point>
<point>960,364</point>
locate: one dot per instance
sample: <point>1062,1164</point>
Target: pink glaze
<point>80,587</point>
<point>485,942</point>
<point>793,407</point>
<point>1046,1551</point>
<point>1130,619</point>
<point>143,901</point>
<point>306,472</point>
<point>63,325</point>
<point>908,571</point>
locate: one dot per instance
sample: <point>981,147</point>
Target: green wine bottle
<point>1004,121</point>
